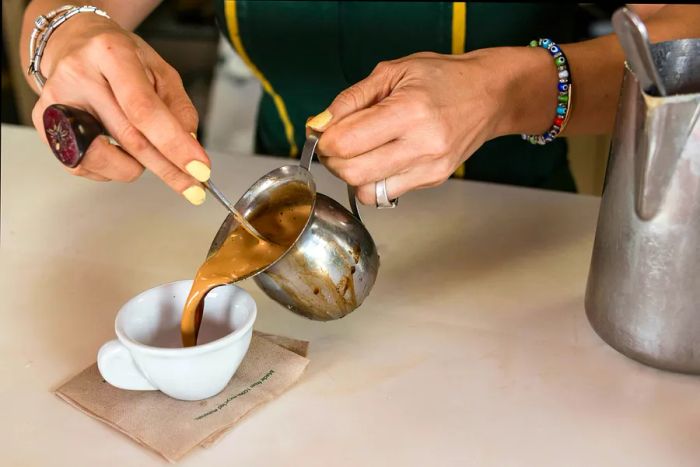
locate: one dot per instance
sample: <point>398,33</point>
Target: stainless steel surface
<point>643,293</point>
<point>634,39</point>
<point>221,198</point>
<point>331,268</point>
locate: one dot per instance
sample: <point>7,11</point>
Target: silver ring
<point>382,195</point>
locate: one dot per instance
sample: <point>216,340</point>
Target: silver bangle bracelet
<point>40,24</point>
<point>44,26</point>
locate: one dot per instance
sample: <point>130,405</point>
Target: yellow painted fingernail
<point>320,121</point>
<point>199,170</point>
<point>195,195</point>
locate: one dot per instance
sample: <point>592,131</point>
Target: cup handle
<point>307,155</point>
<point>119,369</point>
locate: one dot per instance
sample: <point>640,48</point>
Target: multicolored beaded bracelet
<point>563,93</point>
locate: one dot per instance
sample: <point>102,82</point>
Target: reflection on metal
<point>331,268</point>
<point>643,293</point>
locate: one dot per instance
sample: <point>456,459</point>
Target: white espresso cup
<point>148,353</point>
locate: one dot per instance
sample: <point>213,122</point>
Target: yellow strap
<point>459,32</point>
<point>232,22</point>
<point>459,26</point>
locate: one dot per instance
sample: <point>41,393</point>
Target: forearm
<point>127,13</point>
<point>596,68</point>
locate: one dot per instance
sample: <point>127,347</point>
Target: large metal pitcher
<point>331,267</point>
<point>643,292</point>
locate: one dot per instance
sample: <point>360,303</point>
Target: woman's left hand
<point>414,120</point>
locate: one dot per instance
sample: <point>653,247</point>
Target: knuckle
<point>343,147</point>
<point>73,64</point>
<point>446,168</point>
<point>131,138</point>
<point>140,109</point>
<point>331,163</point>
<point>188,114</point>
<point>438,145</point>
<point>131,174</point>
<point>168,77</point>
<point>78,171</point>
<point>382,67</point>
<point>171,76</point>
<point>107,41</point>
<point>336,145</point>
<point>352,175</point>
<point>442,169</point>
<point>428,54</point>
<point>96,159</point>
<point>351,97</point>
<point>102,43</point>
<point>172,176</point>
<point>170,150</point>
<point>421,107</point>
<point>366,196</point>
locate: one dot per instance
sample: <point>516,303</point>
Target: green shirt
<point>306,52</point>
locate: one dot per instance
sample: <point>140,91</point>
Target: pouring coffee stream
<point>241,255</point>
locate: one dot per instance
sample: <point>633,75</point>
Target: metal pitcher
<point>331,267</point>
<point>643,292</point>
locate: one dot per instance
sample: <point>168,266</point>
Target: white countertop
<point>473,348</point>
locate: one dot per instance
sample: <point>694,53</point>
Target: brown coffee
<point>241,254</point>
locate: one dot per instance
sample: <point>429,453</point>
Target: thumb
<point>359,96</point>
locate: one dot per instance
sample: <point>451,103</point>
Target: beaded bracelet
<point>564,86</point>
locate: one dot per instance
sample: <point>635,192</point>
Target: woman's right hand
<point>93,64</point>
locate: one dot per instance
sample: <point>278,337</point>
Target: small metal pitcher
<point>331,267</point>
<point>643,292</point>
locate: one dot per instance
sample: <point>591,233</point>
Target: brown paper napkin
<point>171,427</point>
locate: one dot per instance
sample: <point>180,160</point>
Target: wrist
<point>71,35</point>
<point>65,39</point>
<point>528,89</point>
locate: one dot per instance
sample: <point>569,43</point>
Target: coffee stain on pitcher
<point>323,290</point>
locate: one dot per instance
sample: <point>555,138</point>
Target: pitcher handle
<point>307,155</point>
